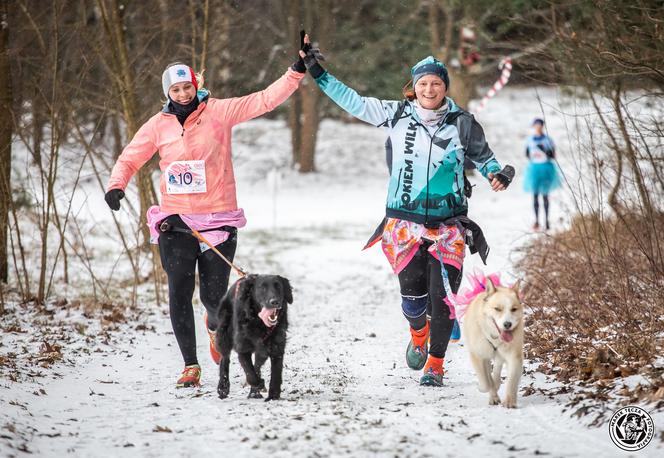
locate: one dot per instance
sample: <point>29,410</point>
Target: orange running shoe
<point>191,376</point>
<point>212,335</point>
<point>433,372</point>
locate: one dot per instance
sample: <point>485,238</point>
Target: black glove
<point>113,198</point>
<point>506,175</point>
<point>312,57</point>
<point>299,66</point>
<point>311,62</point>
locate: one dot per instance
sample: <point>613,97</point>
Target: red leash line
<point>239,271</point>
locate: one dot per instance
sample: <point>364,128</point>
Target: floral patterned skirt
<point>401,239</point>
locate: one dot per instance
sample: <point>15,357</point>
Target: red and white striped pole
<point>506,67</point>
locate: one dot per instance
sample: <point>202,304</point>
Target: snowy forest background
<point>78,77</point>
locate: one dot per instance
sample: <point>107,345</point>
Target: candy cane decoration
<point>506,67</point>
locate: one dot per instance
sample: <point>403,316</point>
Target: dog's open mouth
<point>269,316</point>
<point>506,336</point>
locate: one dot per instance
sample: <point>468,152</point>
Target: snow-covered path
<point>347,390</point>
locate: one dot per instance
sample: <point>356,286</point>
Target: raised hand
<point>298,65</point>
<point>312,57</point>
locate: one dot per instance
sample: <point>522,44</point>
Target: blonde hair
<point>200,79</point>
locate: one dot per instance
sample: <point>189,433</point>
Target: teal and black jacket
<point>426,181</point>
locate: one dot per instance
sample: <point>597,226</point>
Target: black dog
<point>253,318</point>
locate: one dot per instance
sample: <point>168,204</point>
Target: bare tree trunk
<point>2,300</point>
<point>216,54</point>
<point>434,28</point>
<point>205,33</point>
<point>49,200</point>
<point>6,127</point>
<point>615,188</point>
<point>113,23</point>
<point>117,136</point>
<point>23,270</point>
<point>192,6</point>
<point>449,30</point>
<point>462,82</point>
<point>463,86</point>
<point>37,125</point>
<point>295,101</point>
<point>631,155</point>
<point>310,121</point>
<point>294,115</point>
<point>304,116</point>
<point>48,180</point>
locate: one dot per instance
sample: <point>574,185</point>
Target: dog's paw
<point>273,396</point>
<point>509,402</point>
<point>494,400</point>
<point>255,393</point>
<point>222,392</point>
<point>223,389</point>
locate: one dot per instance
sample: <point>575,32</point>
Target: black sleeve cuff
<point>316,70</point>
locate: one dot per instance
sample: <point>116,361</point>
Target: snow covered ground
<point>347,390</point>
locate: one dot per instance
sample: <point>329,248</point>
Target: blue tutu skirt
<point>541,178</point>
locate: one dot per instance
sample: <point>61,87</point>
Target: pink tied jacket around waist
<point>206,135</point>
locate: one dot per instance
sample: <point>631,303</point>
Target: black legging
<point>422,276</point>
<point>545,201</point>
<point>179,254</point>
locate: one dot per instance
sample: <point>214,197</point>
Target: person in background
<point>541,175</point>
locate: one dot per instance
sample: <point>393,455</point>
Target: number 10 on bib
<point>185,177</point>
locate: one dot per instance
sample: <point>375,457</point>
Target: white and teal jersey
<point>539,148</point>
<point>426,180</point>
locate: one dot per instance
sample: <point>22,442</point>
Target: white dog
<point>493,332</point>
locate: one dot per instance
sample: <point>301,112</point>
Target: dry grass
<point>596,299</point>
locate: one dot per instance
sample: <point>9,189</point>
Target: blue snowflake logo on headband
<point>181,73</point>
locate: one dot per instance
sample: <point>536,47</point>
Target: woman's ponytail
<point>408,91</point>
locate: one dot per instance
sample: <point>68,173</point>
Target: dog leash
<point>200,237</point>
<point>449,295</point>
<point>166,226</point>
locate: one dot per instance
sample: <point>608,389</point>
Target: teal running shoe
<point>432,377</point>
<point>417,350</point>
<point>416,356</point>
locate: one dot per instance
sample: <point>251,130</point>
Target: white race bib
<point>185,177</point>
<point>538,156</point>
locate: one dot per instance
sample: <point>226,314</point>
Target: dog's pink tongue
<point>265,315</point>
<point>506,336</point>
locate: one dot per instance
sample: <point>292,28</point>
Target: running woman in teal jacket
<point>426,228</point>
